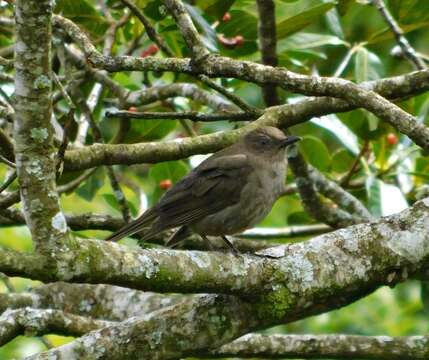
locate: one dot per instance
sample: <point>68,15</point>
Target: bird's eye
<point>264,140</point>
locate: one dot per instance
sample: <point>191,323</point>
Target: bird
<point>229,192</point>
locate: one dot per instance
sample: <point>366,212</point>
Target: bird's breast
<point>257,198</point>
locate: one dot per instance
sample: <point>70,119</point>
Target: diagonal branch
<point>187,29</point>
<point>407,49</point>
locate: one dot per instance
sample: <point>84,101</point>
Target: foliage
<point>331,38</point>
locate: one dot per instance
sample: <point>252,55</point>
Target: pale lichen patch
<point>35,168</point>
<point>39,134</point>
<point>147,266</point>
<point>200,259</point>
<point>410,245</point>
<point>299,271</point>
<point>59,223</point>
<point>42,82</point>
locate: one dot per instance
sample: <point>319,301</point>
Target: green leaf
<point>424,295</point>
<point>386,33</point>
<point>367,65</point>
<point>156,10</point>
<point>384,199</point>
<point>90,187</point>
<point>241,23</point>
<point>334,23</point>
<point>215,8</point>
<point>148,130</point>
<point>409,11</point>
<point>84,14</point>
<point>342,161</point>
<point>111,200</point>
<point>303,40</point>
<point>343,6</point>
<point>208,34</point>
<point>296,16</point>
<point>171,170</point>
<point>337,128</point>
<point>315,152</point>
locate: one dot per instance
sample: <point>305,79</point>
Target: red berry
<point>226,17</point>
<point>165,184</point>
<point>132,109</point>
<point>391,139</point>
<point>149,51</point>
<point>239,40</point>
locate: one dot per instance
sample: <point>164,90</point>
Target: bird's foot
<point>233,249</point>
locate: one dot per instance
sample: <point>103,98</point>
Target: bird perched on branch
<point>229,192</point>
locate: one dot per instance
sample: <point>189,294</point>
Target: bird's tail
<point>144,221</point>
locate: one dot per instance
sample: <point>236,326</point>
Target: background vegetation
<point>343,38</point>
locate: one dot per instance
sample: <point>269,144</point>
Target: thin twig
<point>150,30</point>
<point>402,41</point>
<point>152,34</point>
<point>267,45</point>
<point>189,115</point>
<point>345,181</point>
<point>11,178</point>
<point>229,95</point>
<point>7,162</point>
<point>187,29</point>
<point>65,140</point>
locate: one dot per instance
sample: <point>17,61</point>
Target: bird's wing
<point>144,221</point>
<point>215,184</point>
<point>207,189</point>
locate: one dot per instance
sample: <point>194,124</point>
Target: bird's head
<point>268,141</point>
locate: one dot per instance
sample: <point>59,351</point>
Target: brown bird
<point>229,192</point>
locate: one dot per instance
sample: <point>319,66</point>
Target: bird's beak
<point>289,140</point>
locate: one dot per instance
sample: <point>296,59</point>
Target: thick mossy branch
<point>305,280</point>
<point>100,301</point>
<point>35,154</point>
<point>39,322</point>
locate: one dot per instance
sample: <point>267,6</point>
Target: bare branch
<point>407,49</point>
<point>190,115</point>
<point>336,346</point>
<point>150,30</point>
<point>95,301</point>
<point>187,29</point>
<point>267,45</point>
<point>39,322</point>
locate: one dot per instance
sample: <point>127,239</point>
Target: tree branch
<point>336,346</point>
<point>215,66</point>
<point>190,115</point>
<point>407,49</point>
<point>95,301</point>
<point>34,151</point>
<point>39,322</point>
<point>305,280</point>
<point>267,45</point>
<point>187,29</point>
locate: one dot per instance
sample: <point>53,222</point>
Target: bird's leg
<point>230,245</point>
<point>209,243</point>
